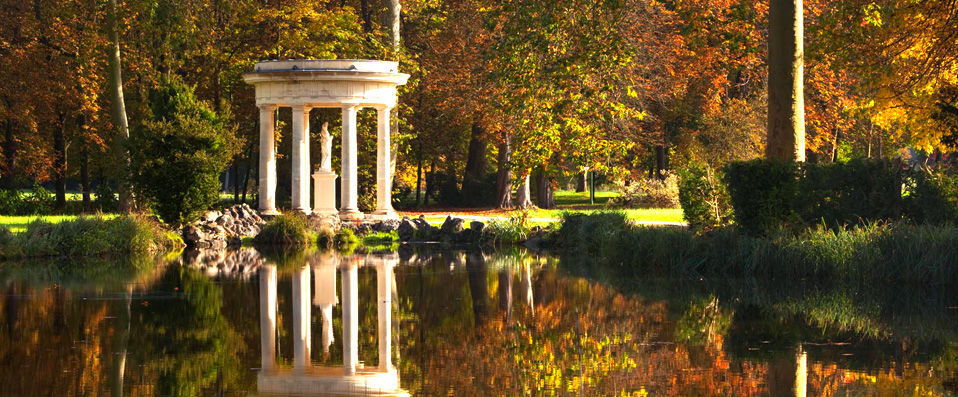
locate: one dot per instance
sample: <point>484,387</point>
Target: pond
<point>440,322</point>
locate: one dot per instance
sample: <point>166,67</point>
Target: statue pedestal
<point>324,192</point>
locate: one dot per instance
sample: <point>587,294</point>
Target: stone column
<point>350,317</point>
<point>300,168</point>
<point>384,277</point>
<point>349,189</point>
<point>301,319</point>
<point>384,178</point>
<point>267,317</point>
<point>267,160</point>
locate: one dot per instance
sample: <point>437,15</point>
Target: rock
<point>217,230</point>
<point>451,226</point>
<point>477,226</point>
<point>406,229</point>
<point>328,222</point>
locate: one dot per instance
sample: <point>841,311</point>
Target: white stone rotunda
<point>347,84</point>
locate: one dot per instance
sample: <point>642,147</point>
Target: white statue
<point>326,149</point>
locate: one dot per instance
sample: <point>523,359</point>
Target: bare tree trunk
<point>119,110</point>
<point>786,103</point>
<point>504,175</point>
<point>394,19</point>
<point>581,180</point>
<point>523,195</point>
<point>60,163</point>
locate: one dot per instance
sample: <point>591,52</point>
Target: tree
<point>786,98</point>
<point>179,152</point>
<point>119,106</point>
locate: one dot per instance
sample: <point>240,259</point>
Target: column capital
<point>305,108</point>
<point>351,105</point>
<point>385,108</point>
<point>267,106</point>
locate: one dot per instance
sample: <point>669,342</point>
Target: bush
<point>104,198</point>
<point>40,201</point>
<point>771,195</point>
<point>10,202</point>
<point>853,193</point>
<point>285,229</point>
<point>932,195</point>
<point>179,152</point>
<point>705,203</point>
<point>763,194</point>
<point>648,193</point>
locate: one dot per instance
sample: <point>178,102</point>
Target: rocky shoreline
<point>218,230</point>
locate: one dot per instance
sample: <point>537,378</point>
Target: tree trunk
<point>236,187</point>
<point>523,195</point>
<point>10,155</point>
<point>581,180</point>
<point>366,15</point>
<point>419,172</point>
<point>85,174</point>
<point>544,191</point>
<point>60,163</point>
<point>119,110</point>
<point>121,339</point>
<point>476,159</point>
<point>394,18</point>
<point>504,174</point>
<point>786,103</point>
<point>661,161</point>
<point>478,289</point>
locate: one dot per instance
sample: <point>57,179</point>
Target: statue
<point>326,149</point>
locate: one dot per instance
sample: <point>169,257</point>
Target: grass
<point>84,236</point>
<point>573,198</point>
<point>876,253</point>
<point>656,215</point>
<point>18,224</point>
<point>286,230</point>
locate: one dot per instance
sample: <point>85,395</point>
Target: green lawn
<point>671,215</point>
<point>18,224</point>
<point>571,198</point>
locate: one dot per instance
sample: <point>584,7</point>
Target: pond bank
<point>884,254</point>
<point>84,236</point>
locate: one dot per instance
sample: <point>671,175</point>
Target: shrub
<point>704,201</point>
<point>39,201</point>
<point>932,195</point>
<point>285,229</point>
<point>853,193</point>
<point>772,195</point>
<point>763,194</point>
<point>179,152</point>
<point>346,240</point>
<point>104,198</point>
<point>648,193</point>
<point>10,202</point>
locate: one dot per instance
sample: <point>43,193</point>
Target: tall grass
<point>512,230</point>
<point>285,229</point>
<point>887,253</point>
<point>85,236</point>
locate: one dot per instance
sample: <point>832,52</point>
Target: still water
<point>457,323</point>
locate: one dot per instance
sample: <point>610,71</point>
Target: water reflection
<point>352,378</point>
<point>461,323</point>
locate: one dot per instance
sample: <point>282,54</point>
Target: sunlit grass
<point>18,224</point>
